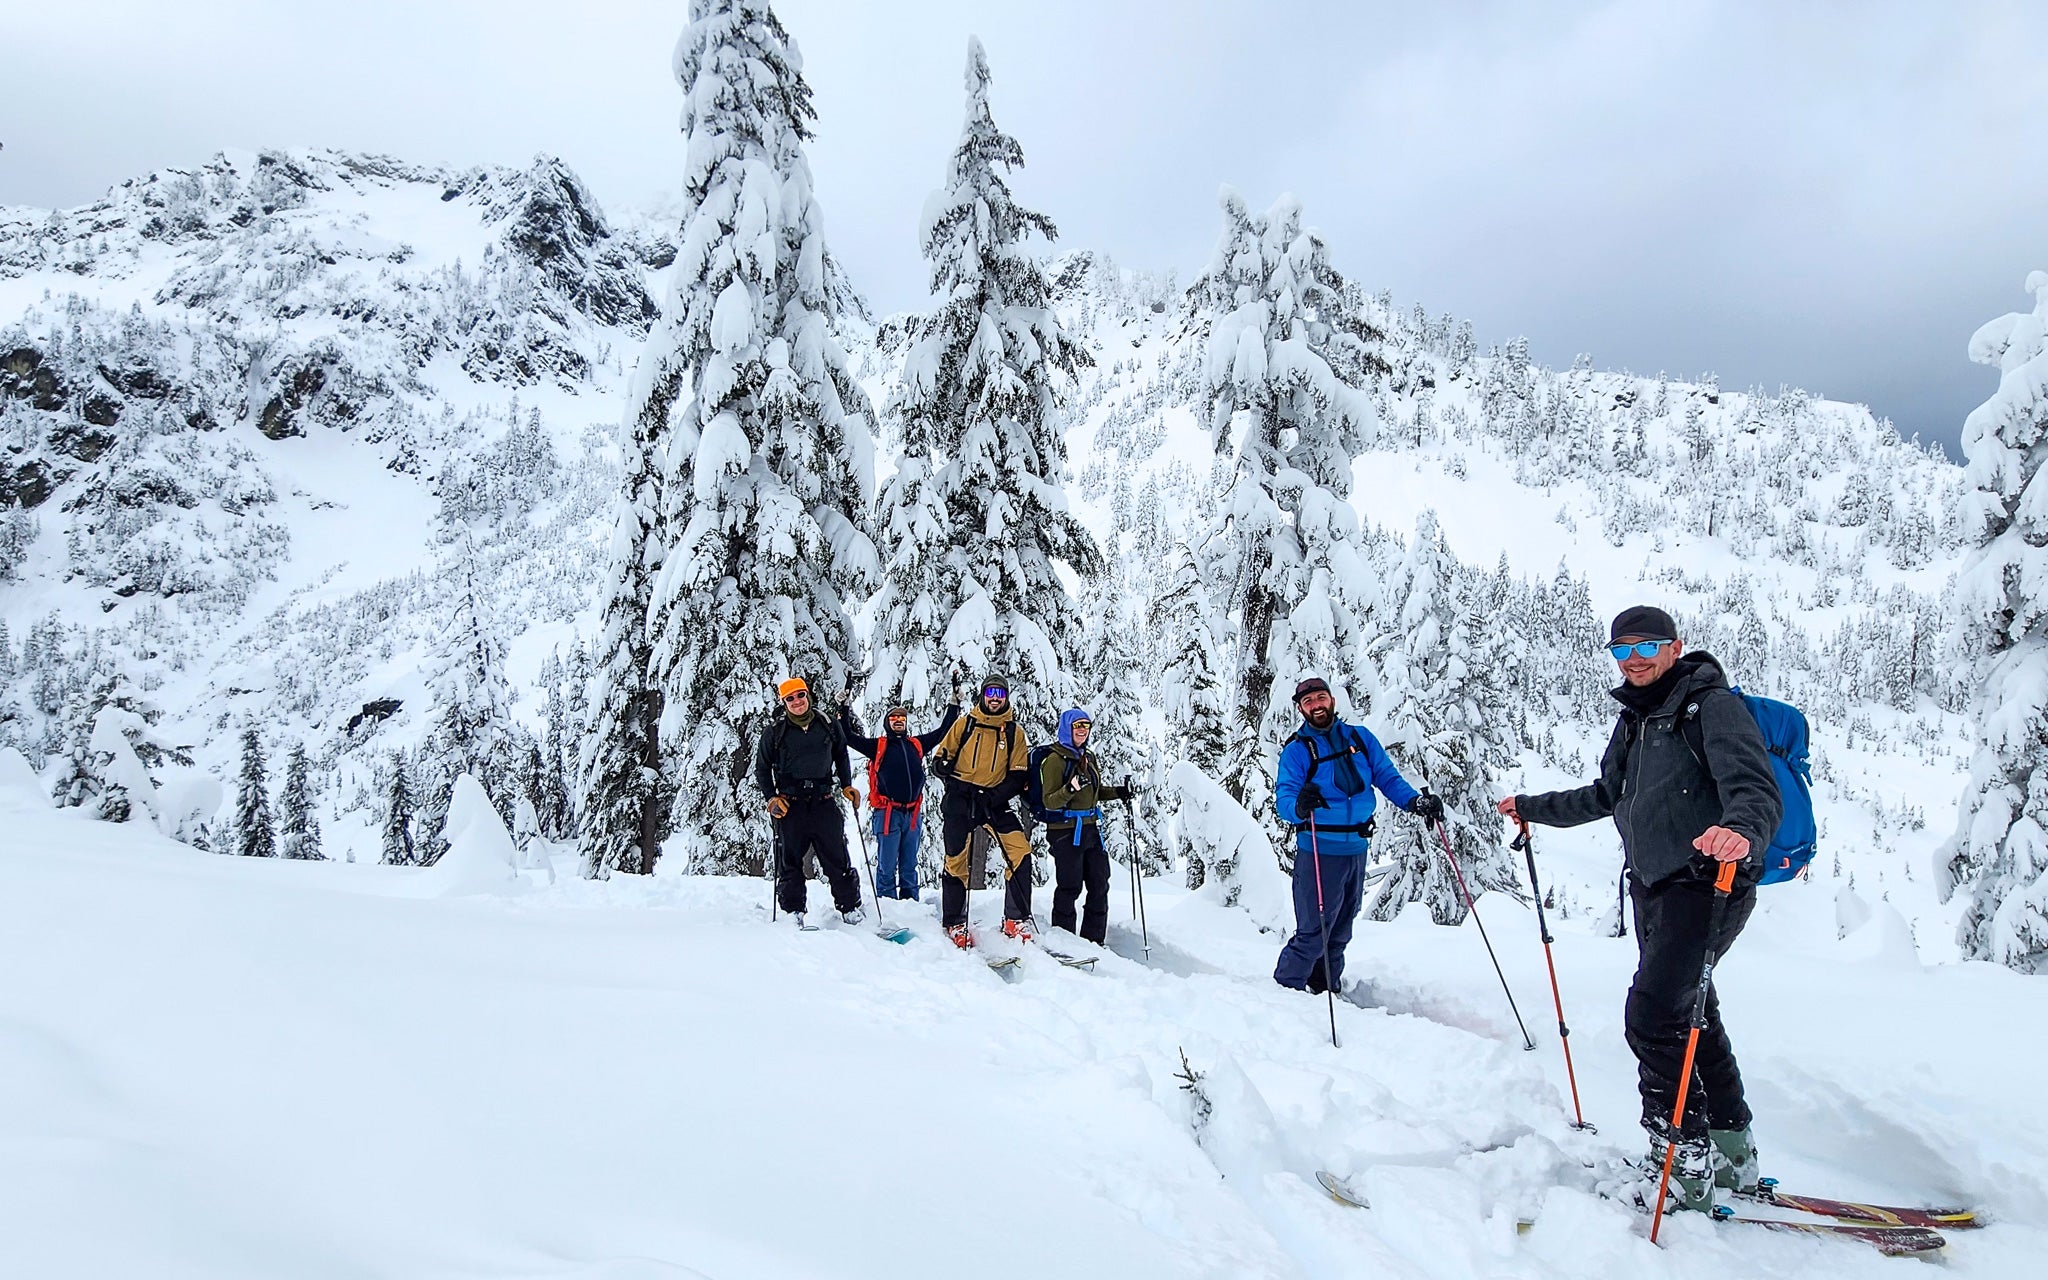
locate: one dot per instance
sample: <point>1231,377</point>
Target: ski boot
<point>854,916</point>
<point>960,937</point>
<point>1735,1163</point>
<point>1692,1172</point>
<point>1020,930</point>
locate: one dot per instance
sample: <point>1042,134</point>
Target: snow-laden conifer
<point>1286,373</point>
<point>1998,856</point>
<point>1192,693</point>
<point>625,796</point>
<point>1439,712</point>
<point>764,502</point>
<point>396,832</point>
<point>298,825</point>
<point>975,520</point>
<point>255,833</point>
<point>1114,674</point>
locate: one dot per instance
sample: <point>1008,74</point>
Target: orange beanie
<point>792,685</point>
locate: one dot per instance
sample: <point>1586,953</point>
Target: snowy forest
<point>330,479</point>
<point>409,573</point>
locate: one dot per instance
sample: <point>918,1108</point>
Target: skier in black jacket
<point>896,776</point>
<point>796,764</point>
<point>1689,785</point>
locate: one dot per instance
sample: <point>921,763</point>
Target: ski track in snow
<point>221,1067</point>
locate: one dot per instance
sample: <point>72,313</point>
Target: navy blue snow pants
<point>1301,960</point>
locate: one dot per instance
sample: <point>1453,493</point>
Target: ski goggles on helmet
<point>1641,649</point>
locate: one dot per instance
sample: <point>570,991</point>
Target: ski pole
<point>1315,854</point>
<point>1528,1041</point>
<point>774,862</point>
<point>868,858</point>
<point>1564,1033</point>
<point>1137,883</point>
<point>1724,885</point>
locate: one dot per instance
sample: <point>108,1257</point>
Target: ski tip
<point>1337,1190</point>
<point>900,936</point>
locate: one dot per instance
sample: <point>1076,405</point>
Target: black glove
<point>1308,800</point>
<point>1124,792</point>
<point>1427,807</point>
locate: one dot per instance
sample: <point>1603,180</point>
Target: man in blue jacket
<point>1328,770</point>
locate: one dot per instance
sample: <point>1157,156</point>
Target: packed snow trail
<point>227,1067</point>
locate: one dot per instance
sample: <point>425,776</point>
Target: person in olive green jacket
<point>1074,792</point>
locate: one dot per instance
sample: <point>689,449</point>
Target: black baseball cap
<point>1644,622</point>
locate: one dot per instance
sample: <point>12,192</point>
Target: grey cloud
<point>1833,195</point>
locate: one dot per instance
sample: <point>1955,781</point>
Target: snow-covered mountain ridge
<point>247,407</point>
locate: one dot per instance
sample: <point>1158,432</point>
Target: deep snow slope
<point>226,1067</point>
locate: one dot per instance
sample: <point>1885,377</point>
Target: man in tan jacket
<point>983,759</point>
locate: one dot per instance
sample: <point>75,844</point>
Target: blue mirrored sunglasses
<point>1641,649</point>
<point>995,691</point>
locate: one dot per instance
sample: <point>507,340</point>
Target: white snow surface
<point>229,1067</point>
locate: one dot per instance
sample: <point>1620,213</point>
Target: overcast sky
<point>1832,195</point>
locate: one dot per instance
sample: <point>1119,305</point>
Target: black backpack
<point>778,729</point>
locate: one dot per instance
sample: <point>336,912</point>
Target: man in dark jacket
<point>1074,790</point>
<point>1324,789</point>
<point>1689,786</point>
<point>796,764</point>
<point>896,793</point>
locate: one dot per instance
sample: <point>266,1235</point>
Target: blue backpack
<point>1785,733</point>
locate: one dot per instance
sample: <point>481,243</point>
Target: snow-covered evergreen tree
<point>474,730</point>
<point>1113,674</point>
<point>770,467</point>
<point>298,826</point>
<point>1998,857</point>
<point>1439,712</point>
<point>1192,692</point>
<point>552,802</point>
<point>398,848</point>
<point>1286,373</point>
<point>625,798</point>
<point>975,520</point>
<point>255,833</point>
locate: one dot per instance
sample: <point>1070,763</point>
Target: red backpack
<point>875,796</point>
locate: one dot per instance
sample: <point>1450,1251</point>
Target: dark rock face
<point>298,386</point>
<point>77,440</point>
<point>557,227</point>
<point>24,376</point>
<point>101,410</point>
<point>372,712</point>
<point>28,485</point>
<point>141,383</point>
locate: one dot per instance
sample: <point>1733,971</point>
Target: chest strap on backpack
<point>1356,829</point>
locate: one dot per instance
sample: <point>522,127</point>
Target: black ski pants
<point>1671,943</point>
<point>814,824</point>
<point>964,809</point>
<point>1076,867</point>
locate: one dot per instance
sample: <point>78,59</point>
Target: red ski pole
<point>1564,1033</point>
<point>1724,884</point>
<point>1315,854</point>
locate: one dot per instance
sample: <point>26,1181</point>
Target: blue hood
<point>1067,721</point>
